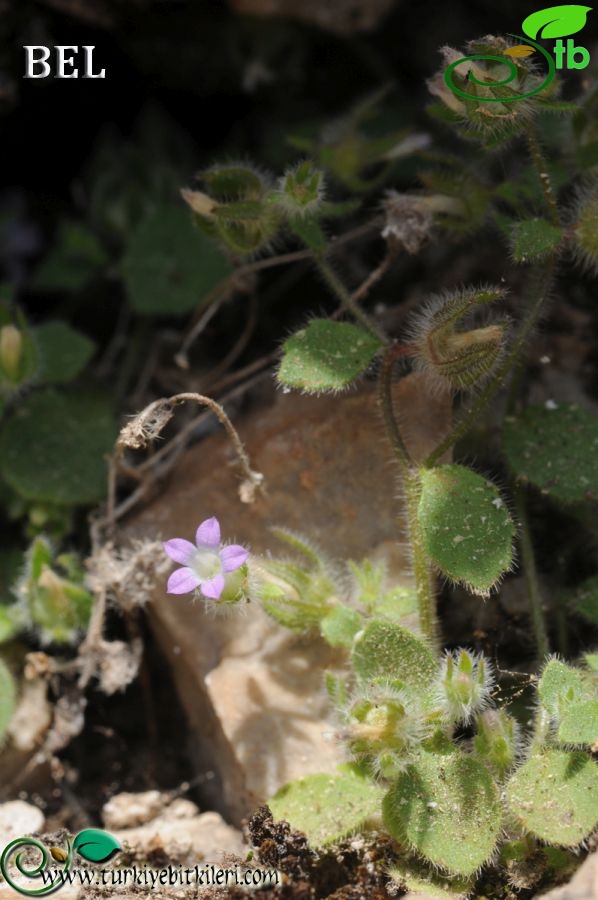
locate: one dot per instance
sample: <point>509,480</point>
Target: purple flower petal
<point>180,550</point>
<point>182,581</point>
<point>233,557</point>
<point>208,533</point>
<point>213,588</point>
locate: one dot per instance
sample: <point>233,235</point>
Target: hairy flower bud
<point>234,207</point>
<point>472,84</point>
<point>11,352</point>
<point>455,358</point>
<point>497,739</point>
<point>384,726</point>
<point>301,190</point>
<point>465,683</point>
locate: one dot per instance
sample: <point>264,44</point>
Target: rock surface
<point>17,819</point>
<point>252,693</point>
<point>179,830</point>
<point>583,885</point>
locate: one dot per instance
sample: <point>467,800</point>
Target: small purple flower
<point>204,563</point>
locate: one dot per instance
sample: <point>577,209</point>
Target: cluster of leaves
<point>452,805</point>
<point>398,710</point>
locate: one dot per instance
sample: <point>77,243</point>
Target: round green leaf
<point>62,352</point>
<point>53,447</point>
<point>447,808</point>
<point>326,356</point>
<point>556,449</point>
<point>327,807</point>
<point>555,796</point>
<point>466,527</point>
<point>96,845</point>
<point>386,650</point>
<point>169,266</point>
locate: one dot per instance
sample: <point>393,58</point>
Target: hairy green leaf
<point>532,239</point>
<point>340,626</point>
<point>63,352</point>
<point>327,807</point>
<point>386,650</point>
<point>559,686</point>
<point>466,527</point>
<point>53,447</point>
<point>554,795</point>
<point>169,266</point>
<point>448,809</point>
<point>326,356</point>
<point>579,724</point>
<point>556,449</point>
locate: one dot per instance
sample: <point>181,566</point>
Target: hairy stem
<point>385,401</point>
<point>482,400</point>
<point>541,167</point>
<point>346,299</point>
<point>530,572</point>
<point>424,579</point>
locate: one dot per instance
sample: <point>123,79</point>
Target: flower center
<point>206,564</point>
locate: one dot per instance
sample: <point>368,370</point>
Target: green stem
<point>541,167</point>
<point>472,414</point>
<point>345,298</point>
<point>530,572</point>
<point>424,579</point>
<point>386,405</point>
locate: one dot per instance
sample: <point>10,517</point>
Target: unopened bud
<point>457,358</point>
<point>11,352</point>
<point>497,739</point>
<point>466,683</point>
<point>302,190</point>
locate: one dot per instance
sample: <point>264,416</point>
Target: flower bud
<point>235,208</point>
<point>384,726</point>
<point>457,359</point>
<point>472,84</point>
<point>301,190</point>
<point>497,739</point>
<point>466,682</point>
<point>11,352</point>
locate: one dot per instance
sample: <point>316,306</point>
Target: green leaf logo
<point>556,21</point>
<point>96,845</point>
